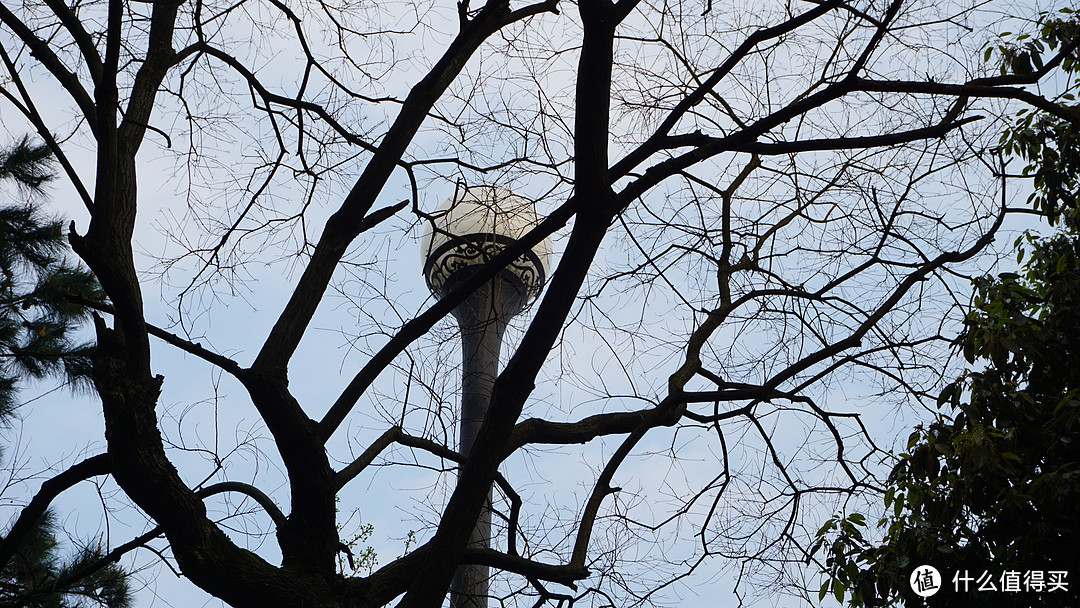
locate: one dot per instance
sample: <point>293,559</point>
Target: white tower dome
<point>472,228</point>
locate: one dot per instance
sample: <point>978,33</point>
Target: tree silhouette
<point>40,295</point>
<point>985,491</point>
<point>748,205</point>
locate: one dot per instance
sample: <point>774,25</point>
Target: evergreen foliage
<point>991,488</point>
<point>40,292</point>
<point>41,297</point>
<point>38,577</point>
<point>1049,142</point>
<point>30,165</point>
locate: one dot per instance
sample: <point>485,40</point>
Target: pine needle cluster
<point>43,301</point>
<point>42,295</point>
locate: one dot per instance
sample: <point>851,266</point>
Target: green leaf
<point>828,526</point>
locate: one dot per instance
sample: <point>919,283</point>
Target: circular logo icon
<point>925,581</point>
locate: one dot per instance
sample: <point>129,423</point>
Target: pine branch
<point>30,165</point>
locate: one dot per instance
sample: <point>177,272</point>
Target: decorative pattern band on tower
<point>472,227</point>
<point>461,252</point>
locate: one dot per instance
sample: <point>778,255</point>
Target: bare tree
<point>750,202</point>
